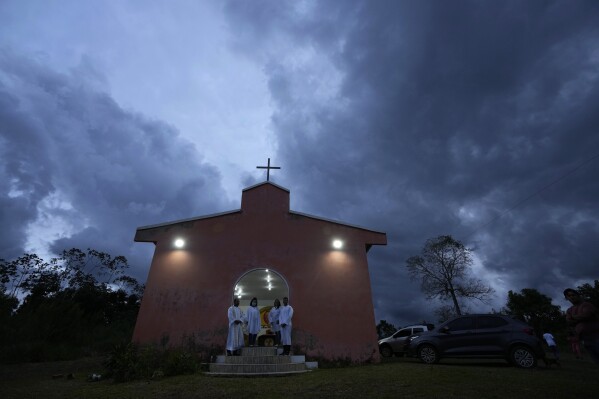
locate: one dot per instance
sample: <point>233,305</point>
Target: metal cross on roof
<point>268,168</point>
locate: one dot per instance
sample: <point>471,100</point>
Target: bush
<point>123,363</point>
<point>177,361</point>
<point>128,362</point>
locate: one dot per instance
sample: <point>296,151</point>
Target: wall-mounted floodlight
<point>179,243</point>
<point>337,244</point>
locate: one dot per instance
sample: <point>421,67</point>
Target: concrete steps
<point>259,362</point>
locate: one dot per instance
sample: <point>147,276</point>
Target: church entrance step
<point>275,374</point>
<point>256,368</point>
<point>258,361</point>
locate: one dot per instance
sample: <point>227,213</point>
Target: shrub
<point>177,361</point>
<point>123,363</point>
<point>128,362</point>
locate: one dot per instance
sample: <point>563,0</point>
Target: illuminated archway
<point>266,285</point>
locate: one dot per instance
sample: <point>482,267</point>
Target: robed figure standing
<point>285,315</point>
<point>253,320</point>
<point>235,337</point>
<point>273,319</point>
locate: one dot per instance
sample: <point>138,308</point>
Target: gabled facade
<point>189,289</point>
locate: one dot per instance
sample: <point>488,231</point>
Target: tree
<point>384,329</point>
<point>8,303</point>
<point>75,303</point>
<point>535,309</point>
<point>443,268</point>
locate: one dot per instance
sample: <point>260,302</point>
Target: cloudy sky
<point>477,119</point>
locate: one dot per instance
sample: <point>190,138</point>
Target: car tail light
<point>529,331</point>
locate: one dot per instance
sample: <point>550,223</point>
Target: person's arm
<point>586,311</point>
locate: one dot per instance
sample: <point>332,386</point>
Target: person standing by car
<point>235,337</point>
<point>584,317</point>
<point>273,319</point>
<point>548,337</point>
<point>285,316</point>
<point>253,320</point>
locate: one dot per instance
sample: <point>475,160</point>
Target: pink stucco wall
<point>189,290</point>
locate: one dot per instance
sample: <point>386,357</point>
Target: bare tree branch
<point>443,270</point>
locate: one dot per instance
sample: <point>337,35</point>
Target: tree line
<point>79,303</point>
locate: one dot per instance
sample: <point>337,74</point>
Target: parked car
<point>479,336</point>
<point>395,344</point>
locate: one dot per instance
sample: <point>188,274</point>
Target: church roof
<point>214,215</point>
<point>355,226</point>
<point>264,183</point>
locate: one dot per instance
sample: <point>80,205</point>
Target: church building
<point>267,251</point>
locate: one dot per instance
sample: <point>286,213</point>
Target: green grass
<point>394,378</point>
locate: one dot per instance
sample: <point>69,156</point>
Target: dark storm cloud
<point>448,115</point>
<point>72,157</point>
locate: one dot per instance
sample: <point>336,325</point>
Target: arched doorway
<point>266,285</point>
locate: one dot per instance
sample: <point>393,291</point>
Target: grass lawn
<point>393,378</point>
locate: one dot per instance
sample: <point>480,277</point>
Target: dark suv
<point>479,336</point>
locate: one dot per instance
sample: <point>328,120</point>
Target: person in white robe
<point>235,337</point>
<point>253,320</point>
<point>273,319</point>
<point>285,316</point>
